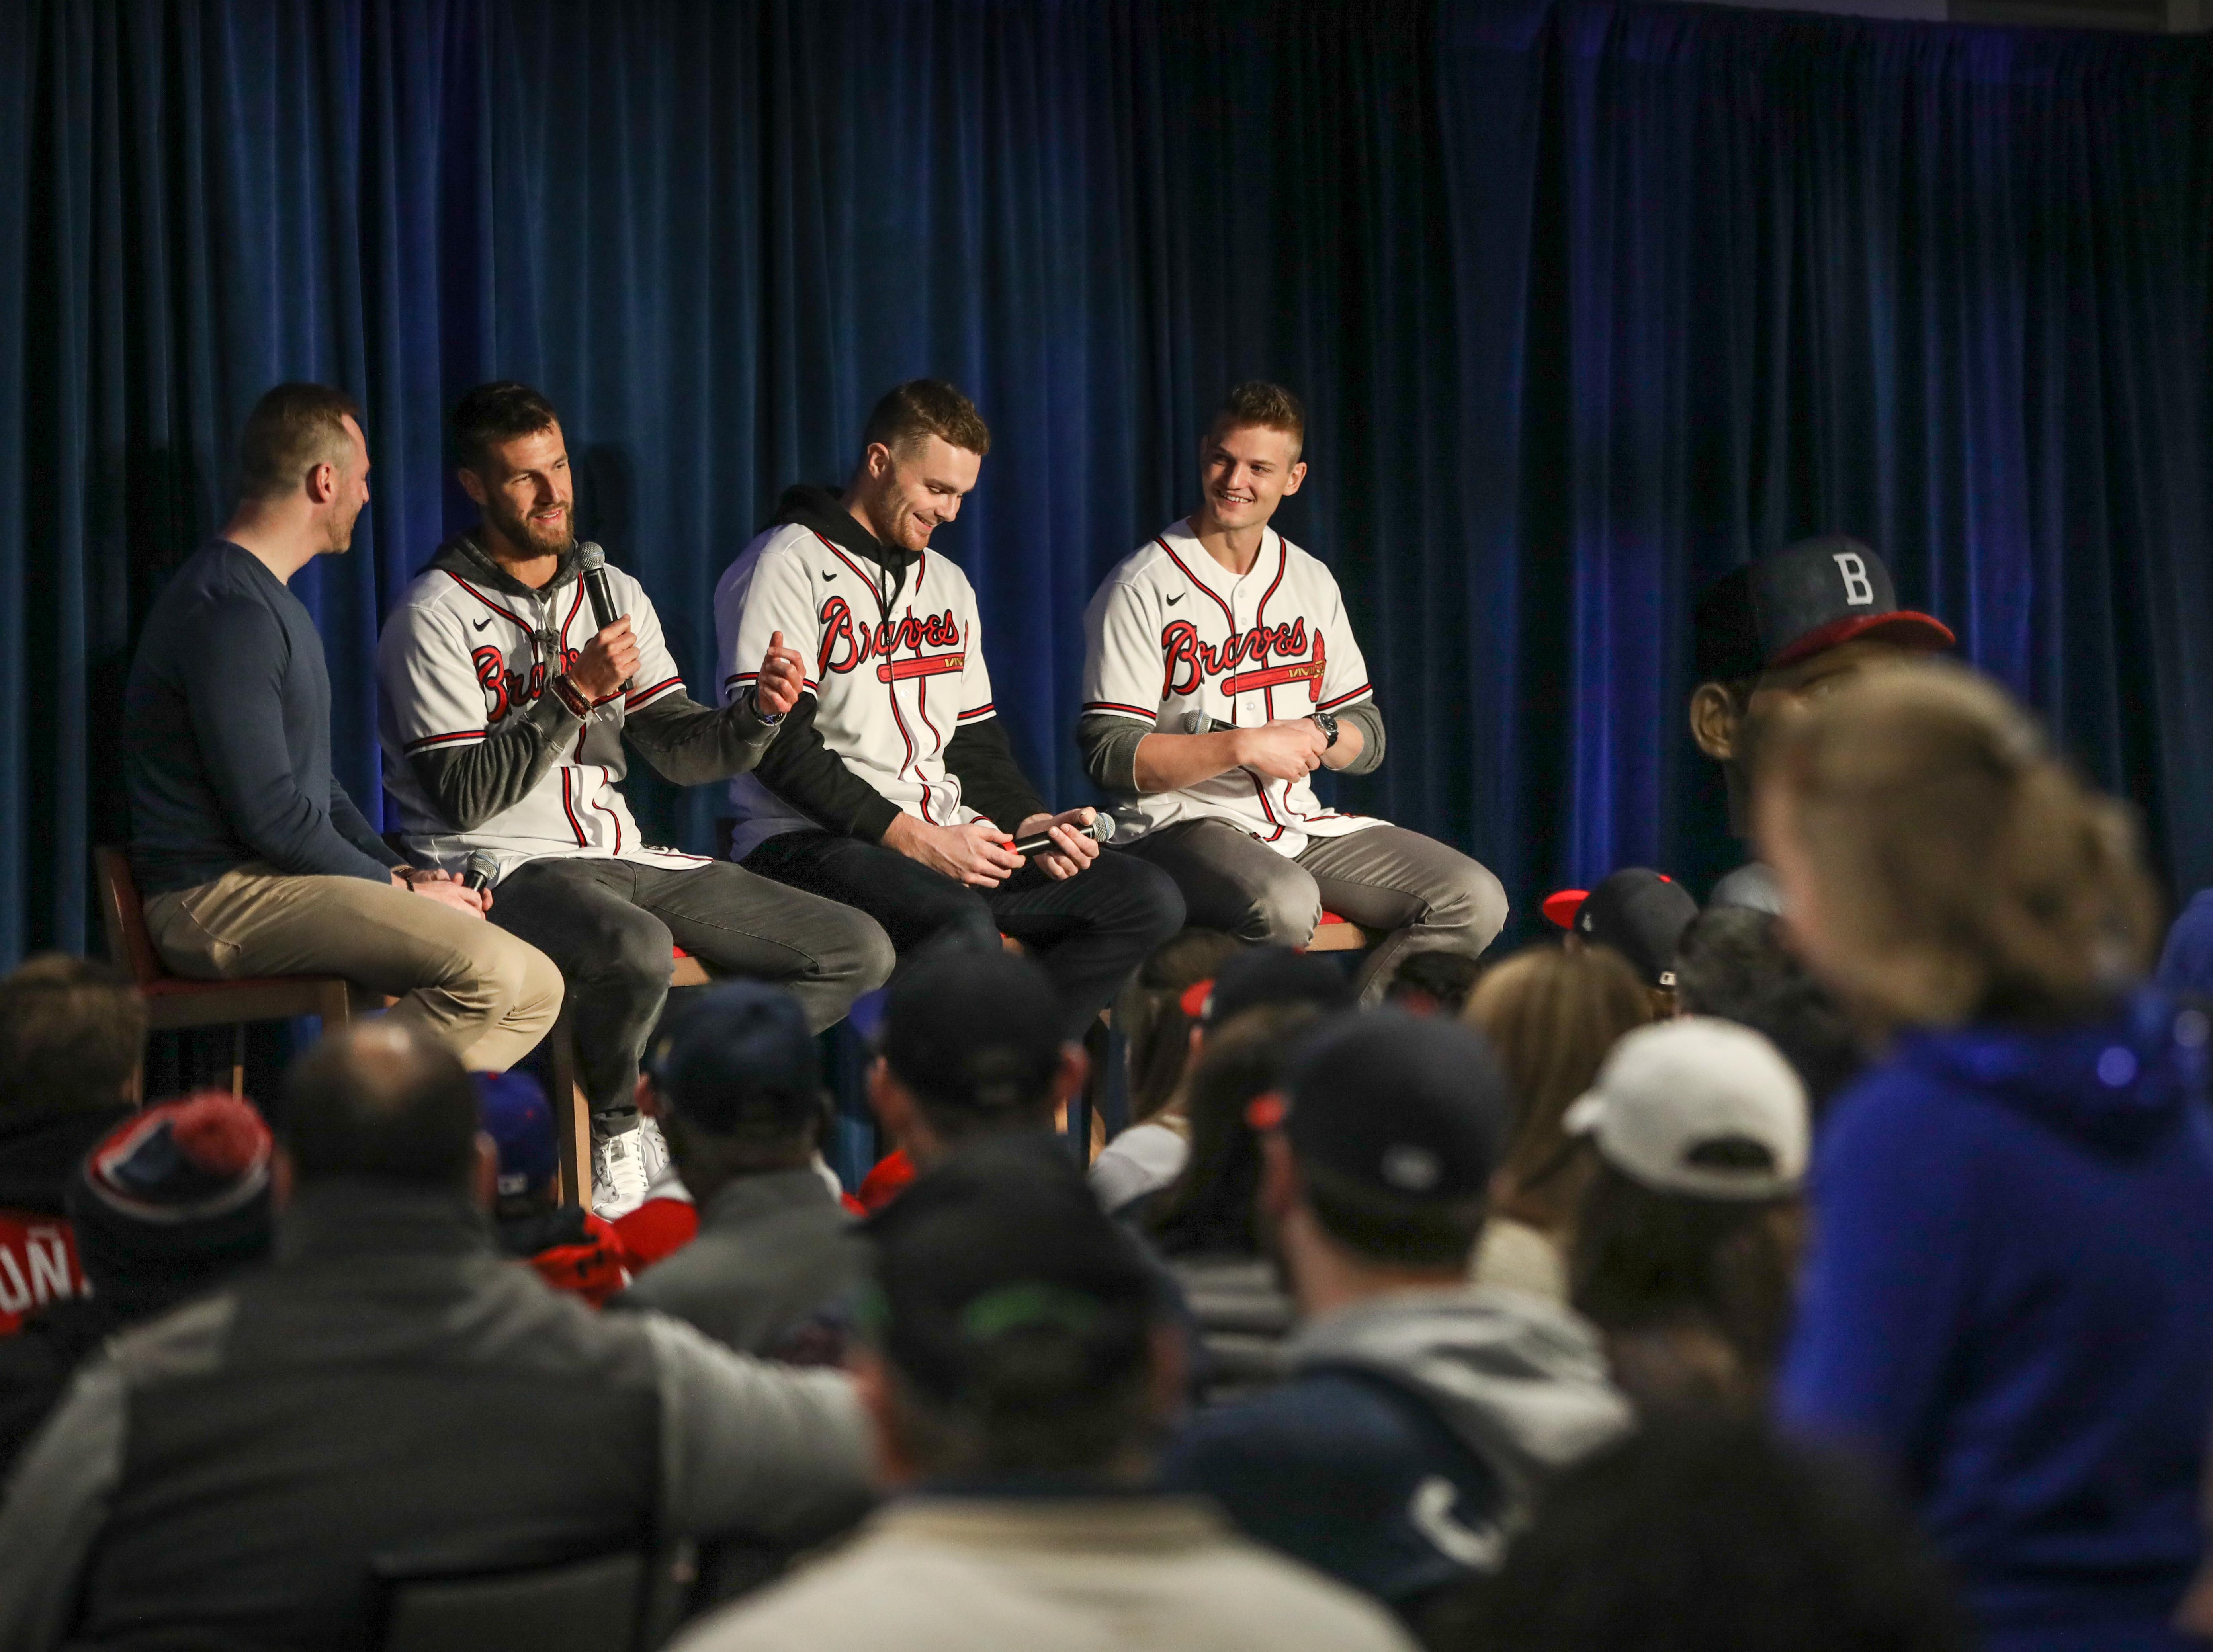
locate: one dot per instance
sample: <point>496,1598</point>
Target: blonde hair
<point>1551,1014</point>
<point>1962,871</point>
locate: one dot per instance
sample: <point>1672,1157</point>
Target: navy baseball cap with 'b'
<point>1804,599</point>
<point>1415,1109</point>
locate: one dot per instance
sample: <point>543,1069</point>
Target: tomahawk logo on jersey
<point>892,681</point>
<point>458,657</point>
<point>1177,642</point>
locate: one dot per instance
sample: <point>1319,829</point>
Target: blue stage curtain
<point>1588,302</point>
<point>1729,278</point>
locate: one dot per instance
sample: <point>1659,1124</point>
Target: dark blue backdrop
<point>1588,300</point>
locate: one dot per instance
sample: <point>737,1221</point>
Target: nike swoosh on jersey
<point>486,620</point>
<point>828,573</point>
<point>1177,598</point>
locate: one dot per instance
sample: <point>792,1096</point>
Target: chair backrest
<point>591,1604</point>
<point>124,917</point>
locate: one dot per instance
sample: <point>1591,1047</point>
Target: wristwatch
<point>769,719</point>
<point>1326,722</point>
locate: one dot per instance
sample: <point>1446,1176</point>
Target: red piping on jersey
<point>1152,715</point>
<point>638,694</point>
<point>983,710</point>
<point>935,665</point>
<point>504,613</point>
<point>1202,584</point>
<point>1260,790</point>
<point>1260,616</point>
<point>575,825</point>
<point>1331,705</point>
<point>921,711</point>
<point>891,688</point>
<point>576,602</point>
<point>445,739</point>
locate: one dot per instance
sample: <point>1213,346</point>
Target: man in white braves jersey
<point>1219,673</point>
<point>505,711</point>
<point>891,785</point>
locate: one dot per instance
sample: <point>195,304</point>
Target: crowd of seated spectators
<point>1702,1281</point>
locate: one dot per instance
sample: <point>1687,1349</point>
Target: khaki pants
<point>486,995</point>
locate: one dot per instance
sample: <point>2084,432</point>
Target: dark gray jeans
<point>609,924</point>
<point>1429,896</point>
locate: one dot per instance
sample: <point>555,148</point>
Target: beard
<point>525,535</point>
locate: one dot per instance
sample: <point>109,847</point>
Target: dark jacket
<point>2010,1297</point>
<point>773,1252</point>
<point>227,735</point>
<point>810,776</point>
<point>40,1153</point>
<point>1409,1441</point>
<point>391,1394</point>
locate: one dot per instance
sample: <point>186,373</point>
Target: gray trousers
<point>1428,896</point>
<point>609,924</point>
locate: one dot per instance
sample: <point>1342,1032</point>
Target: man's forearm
<point>1171,762</point>
<point>689,744</point>
<point>471,783</point>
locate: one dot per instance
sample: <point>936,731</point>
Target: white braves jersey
<point>1175,641</point>
<point>457,658</point>
<point>890,687</point>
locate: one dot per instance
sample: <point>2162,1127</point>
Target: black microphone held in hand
<point>481,872</point>
<point>592,573</point>
<point>592,570</point>
<point>1098,831</point>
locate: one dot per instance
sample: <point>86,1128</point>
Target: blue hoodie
<point>2010,1296</point>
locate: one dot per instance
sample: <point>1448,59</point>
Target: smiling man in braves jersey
<point>1219,673</point>
<point>505,713</point>
<point>891,786</point>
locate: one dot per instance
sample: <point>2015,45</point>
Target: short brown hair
<point>1551,1014</point>
<point>1271,406</point>
<point>925,407</point>
<point>1967,874</point>
<point>71,1035</point>
<point>292,429</point>
<point>493,413</point>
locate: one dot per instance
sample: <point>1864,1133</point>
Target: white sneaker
<point>652,1150</point>
<point>619,1178</point>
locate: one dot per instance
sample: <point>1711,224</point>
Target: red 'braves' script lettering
<point>845,644</point>
<point>1189,662</point>
<point>505,690</point>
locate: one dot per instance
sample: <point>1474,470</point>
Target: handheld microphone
<point>592,574</point>
<point>482,869</point>
<point>1098,831</point>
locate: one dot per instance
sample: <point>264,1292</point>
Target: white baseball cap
<point>1669,1089</point>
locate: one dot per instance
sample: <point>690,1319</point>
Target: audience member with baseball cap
<point>1145,1158</point>
<point>72,1033</point>
<point>390,1391</point>
<point>1020,1371</point>
<point>1551,1015</point>
<point>167,1204</point>
<point>573,1249</point>
<point>1733,964</point>
<point>2009,1288</point>
<point>738,1089</point>
<point>1641,914</point>
<point>1770,634</point>
<point>1686,1249</point>
<point>1708,1534</point>
<point>1206,1223</point>
<point>1422,1412</point>
<point>1433,983</point>
<point>970,1047</point>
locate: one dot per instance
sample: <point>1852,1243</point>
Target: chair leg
<point>336,1007</point>
<point>572,1116</point>
<point>238,1059</point>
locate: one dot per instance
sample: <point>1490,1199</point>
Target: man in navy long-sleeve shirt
<point>252,858</point>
